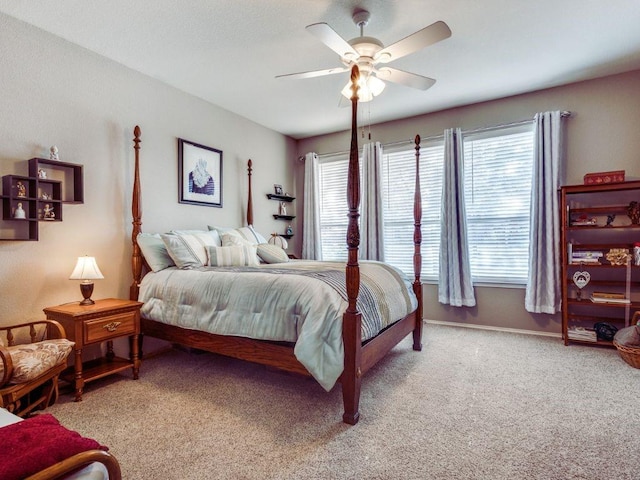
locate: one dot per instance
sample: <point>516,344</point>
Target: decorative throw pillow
<point>37,443</point>
<point>233,256</point>
<point>272,253</point>
<point>188,248</point>
<point>33,359</point>
<point>154,251</point>
<point>248,233</point>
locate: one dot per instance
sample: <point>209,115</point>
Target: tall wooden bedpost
<point>136,211</point>
<point>351,320</point>
<point>249,199</point>
<point>417,254</point>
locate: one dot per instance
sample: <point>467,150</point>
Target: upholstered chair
<point>32,356</point>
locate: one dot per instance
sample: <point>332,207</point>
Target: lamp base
<point>87,290</point>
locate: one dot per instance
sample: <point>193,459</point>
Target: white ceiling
<point>228,52</point>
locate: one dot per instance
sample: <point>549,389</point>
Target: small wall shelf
<point>40,194</point>
<point>283,217</point>
<point>282,198</point>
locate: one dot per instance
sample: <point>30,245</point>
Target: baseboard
<point>496,329</point>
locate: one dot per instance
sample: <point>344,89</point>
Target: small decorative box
<point>597,178</point>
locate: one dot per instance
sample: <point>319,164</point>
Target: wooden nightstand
<point>90,324</point>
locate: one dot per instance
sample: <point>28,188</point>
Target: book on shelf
<point>581,333</point>
<point>610,300</point>
<point>608,295</point>
<point>587,254</point>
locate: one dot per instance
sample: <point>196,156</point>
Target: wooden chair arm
<point>52,329</point>
<point>7,366</point>
<point>78,461</point>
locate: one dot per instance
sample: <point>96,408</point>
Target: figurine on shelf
<point>633,210</point>
<point>283,208</point>
<point>22,190</point>
<point>289,230</point>
<point>19,212</point>
<point>49,214</point>
<point>42,174</point>
<point>45,196</point>
<point>610,219</point>
<point>53,153</point>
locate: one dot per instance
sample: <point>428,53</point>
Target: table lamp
<point>86,270</point>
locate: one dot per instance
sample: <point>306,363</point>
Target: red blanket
<point>36,443</point>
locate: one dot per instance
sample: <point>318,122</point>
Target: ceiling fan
<point>369,52</point>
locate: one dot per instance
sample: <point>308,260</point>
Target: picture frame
<point>277,189</point>
<point>200,174</point>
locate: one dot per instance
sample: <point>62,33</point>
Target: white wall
<point>55,93</point>
<point>602,135</point>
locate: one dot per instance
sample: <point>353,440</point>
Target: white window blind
<point>398,167</point>
<point>333,207</point>
<point>498,171</point>
<point>497,180</point>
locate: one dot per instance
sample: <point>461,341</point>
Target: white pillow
<point>272,253</point>
<point>248,233</point>
<point>154,251</point>
<point>233,256</point>
<point>189,248</point>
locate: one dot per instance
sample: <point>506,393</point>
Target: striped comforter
<point>299,301</point>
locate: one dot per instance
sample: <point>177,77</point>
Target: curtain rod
<point>564,113</point>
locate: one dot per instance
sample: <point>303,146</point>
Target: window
<point>398,178</point>
<point>498,167</point>
<point>332,175</point>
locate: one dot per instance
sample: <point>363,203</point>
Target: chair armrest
<point>7,366</point>
<point>80,460</point>
<point>51,329</point>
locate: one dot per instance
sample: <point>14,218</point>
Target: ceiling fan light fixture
<point>369,87</point>
<point>384,57</point>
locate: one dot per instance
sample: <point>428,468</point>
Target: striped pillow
<point>233,256</point>
<point>188,248</point>
<point>272,253</point>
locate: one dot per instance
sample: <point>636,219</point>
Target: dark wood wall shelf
<point>277,216</point>
<point>41,195</point>
<point>282,198</point>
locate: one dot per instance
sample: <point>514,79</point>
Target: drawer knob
<point>112,327</point>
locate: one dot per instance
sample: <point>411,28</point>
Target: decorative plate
<point>581,279</point>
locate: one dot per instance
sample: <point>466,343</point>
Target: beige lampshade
<point>279,241</point>
<point>86,269</point>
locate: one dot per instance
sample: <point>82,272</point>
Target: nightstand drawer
<point>112,326</point>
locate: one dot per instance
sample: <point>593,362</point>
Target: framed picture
<point>277,189</point>
<point>200,172</point>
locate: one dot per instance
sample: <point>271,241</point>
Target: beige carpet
<point>472,405</point>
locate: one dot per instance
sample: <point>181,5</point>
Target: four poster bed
<point>357,346</point>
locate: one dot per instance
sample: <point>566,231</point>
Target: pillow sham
<point>233,256</point>
<point>272,253</point>
<point>154,251</point>
<point>188,248</point>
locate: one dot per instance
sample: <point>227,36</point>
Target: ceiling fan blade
<point>315,73</point>
<point>417,41</point>
<point>331,39</point>
<point>405,78</point>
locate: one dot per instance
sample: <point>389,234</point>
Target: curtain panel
<point>311,241</point>
<point>455,286</point>
<point>543,288</point>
